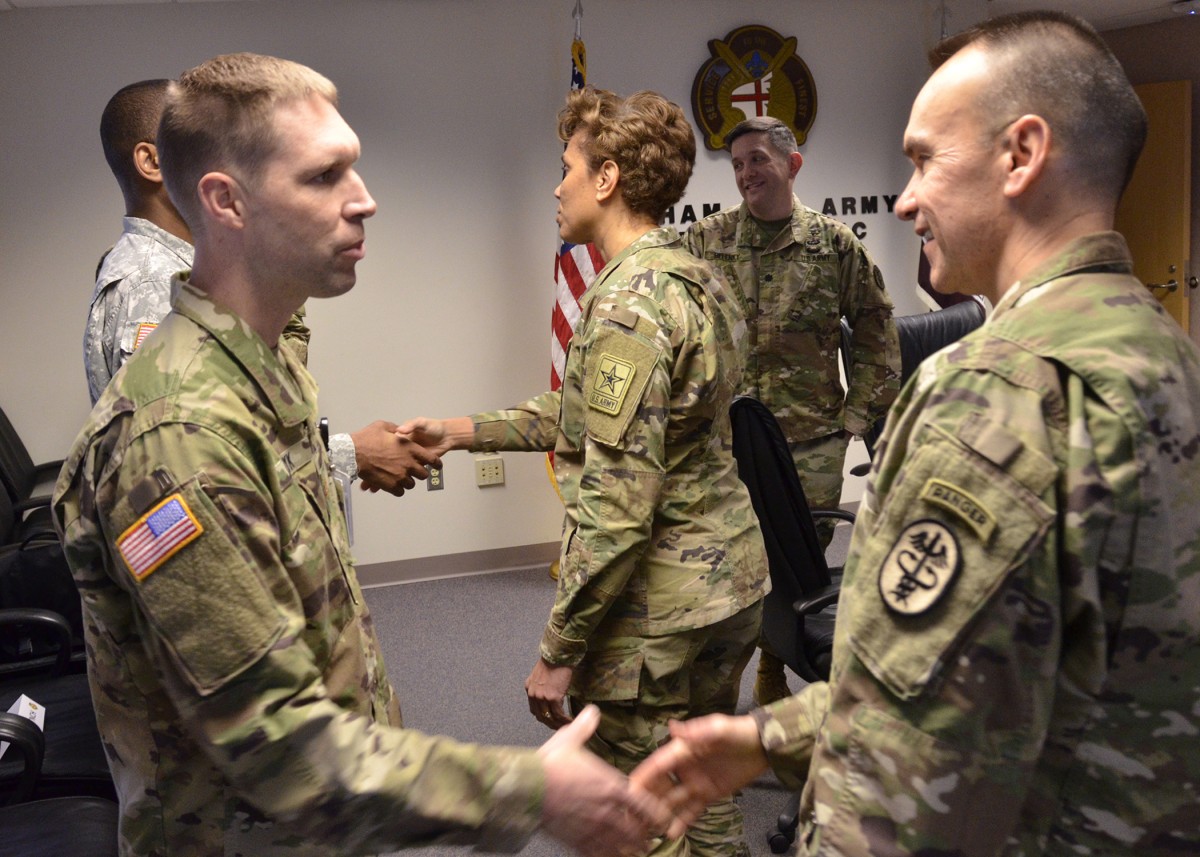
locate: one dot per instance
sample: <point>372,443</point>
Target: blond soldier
<point>133,286</point>
<point>238,683</point>
<point>796,273</point>
<point>1015,664</point>
<point>663,567</point>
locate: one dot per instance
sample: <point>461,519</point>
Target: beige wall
<point>454,101</point>
<point>1154,53</point>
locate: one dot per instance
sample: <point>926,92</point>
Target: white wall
<point>454,101</point>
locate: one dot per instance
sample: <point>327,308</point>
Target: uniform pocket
<point>198,589</point>
<point>954,527</point>
<point>905,792</point>
<point>609,676</point>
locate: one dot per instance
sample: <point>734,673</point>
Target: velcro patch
<point>954,499</point>
<point>610,383</point>
<point>920,567</point>
<point>158,535</point>
<point>617,371</point>
<point>143,330</point>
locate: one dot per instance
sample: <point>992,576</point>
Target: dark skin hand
<point>388,461</point>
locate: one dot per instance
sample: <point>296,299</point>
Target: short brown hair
<point>1056,66</point>
<point>779,135</point>
<point>218,116</point>
<point>645,135</point>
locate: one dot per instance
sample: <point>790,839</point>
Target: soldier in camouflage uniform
<point>663,568</point>
<point>797,273</point>
<point>133,285</point>
<point>1017,650</point>
<point>236,674</point>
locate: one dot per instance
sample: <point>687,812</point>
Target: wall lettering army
<point>843,208</point>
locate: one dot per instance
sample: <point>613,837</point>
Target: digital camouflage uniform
<point>1016,669</point>
<point>235,670</point>
<point>132,295</point>
<point>663,568</point>
<point>794,288</point>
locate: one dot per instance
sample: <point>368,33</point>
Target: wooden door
<point>1155,213</point>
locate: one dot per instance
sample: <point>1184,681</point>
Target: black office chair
<point>72,763</point>
<point>802,584</point>
<point>50,827</point>
<point>79,826</point>
<point>799,612</point>
<point>28,484</point>
<point>31,522</point>
<point>34,573</point>
<point>920,336</point>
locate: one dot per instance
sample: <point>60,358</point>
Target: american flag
<point>143,331</point>
<point>158,536</point>
<point>575,265</point>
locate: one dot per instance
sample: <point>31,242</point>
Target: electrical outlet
<point>489,470</point>
<point>435,482</point>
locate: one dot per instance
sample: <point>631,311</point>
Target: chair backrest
<point>8,518</point>
<point>794,555</point>
<point>16,465</point>
<point>920,335</point>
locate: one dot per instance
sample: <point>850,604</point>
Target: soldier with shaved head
<point>1017,648</point>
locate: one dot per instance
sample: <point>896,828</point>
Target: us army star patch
<point>610,384</point>
<point>920,567</point>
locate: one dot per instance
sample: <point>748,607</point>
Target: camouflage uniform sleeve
<point>144,300</point>
<point>296,335</point>
<point>626,398</point>
<point>950,642</point>
<point>343,456</point>
<point>531,426</point>
<point>788,731</point>
<point>227,631</point>
<point>875,348</point>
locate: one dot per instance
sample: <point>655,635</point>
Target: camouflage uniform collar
<point>661,236</point>
<point>1100,252</point>
<point>141,226</point>
<point>275,372</point>
<point>750,234</point>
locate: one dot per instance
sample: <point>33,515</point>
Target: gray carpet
<point>458,652</point>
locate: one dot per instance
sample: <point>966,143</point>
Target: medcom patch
<point>920,568</point>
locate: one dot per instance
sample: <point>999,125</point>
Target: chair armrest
<point>50,623</point>
<point>839,514</point>
<point>23,735</point>
<point>47,468</point>
<point>815,602</point>
<point>36,502</point>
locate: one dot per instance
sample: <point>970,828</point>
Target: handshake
<point>393,457</point>
<point>593,809</point>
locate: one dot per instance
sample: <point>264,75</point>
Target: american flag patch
<point>158,535</point>
<point>143,331</point>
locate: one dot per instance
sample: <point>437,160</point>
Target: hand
<point>439,436</point>
<point>390,462</point>
<point>708,758</point>
<point>589,806</point>
<point>546,688</point>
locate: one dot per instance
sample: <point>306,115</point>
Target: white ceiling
<point>1103,14</point>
